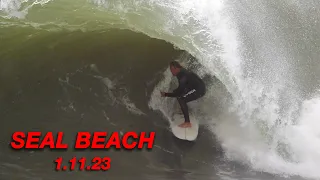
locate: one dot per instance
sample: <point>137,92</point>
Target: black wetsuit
<point>191,87</point>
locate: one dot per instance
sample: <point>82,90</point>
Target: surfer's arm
<point>179,91</point>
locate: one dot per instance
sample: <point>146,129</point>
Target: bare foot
<point>185,125</point>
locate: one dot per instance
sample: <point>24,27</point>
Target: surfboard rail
<point>189,134</point>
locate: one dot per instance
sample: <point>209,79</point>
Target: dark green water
<point>72,66</point>
<point>50,86</point>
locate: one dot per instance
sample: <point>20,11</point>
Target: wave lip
<point>260,130</point>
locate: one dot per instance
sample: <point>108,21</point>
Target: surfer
<point>191,87</point>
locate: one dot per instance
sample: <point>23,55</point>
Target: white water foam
<point>269,130</point>
<point>256,135</point>
<point>111,86</point>
<point>19,8</point>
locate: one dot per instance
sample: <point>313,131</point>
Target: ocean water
<point>98,65</point>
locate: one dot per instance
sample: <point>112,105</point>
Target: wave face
<point>265,53</point>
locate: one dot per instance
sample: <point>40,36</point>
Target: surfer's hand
<point>162,94</point>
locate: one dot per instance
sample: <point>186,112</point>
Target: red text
<point>33,140</point>
<point>99,140</point>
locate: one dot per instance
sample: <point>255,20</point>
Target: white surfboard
<point>190,133</point>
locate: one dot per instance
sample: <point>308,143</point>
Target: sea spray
<point>260,63</point>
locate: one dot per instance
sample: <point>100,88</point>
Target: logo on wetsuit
<point>190,92</point>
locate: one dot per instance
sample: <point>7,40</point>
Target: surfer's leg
<point>191,96</point>
<point>184,109</point>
